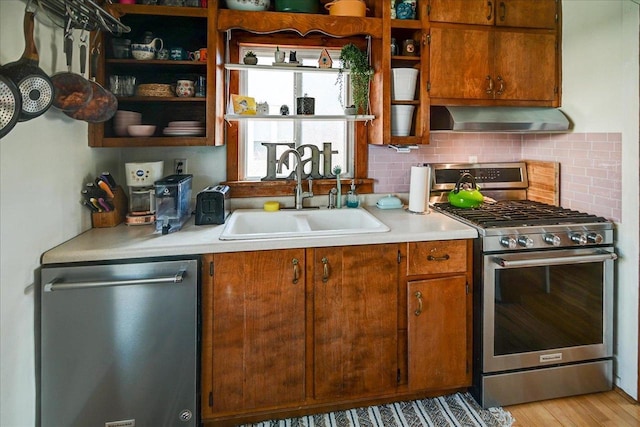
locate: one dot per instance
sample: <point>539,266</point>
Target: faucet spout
<point>299,195</point>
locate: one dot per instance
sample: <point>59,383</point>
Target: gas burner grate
<point>518,213</point>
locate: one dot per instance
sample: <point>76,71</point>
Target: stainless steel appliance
<point>119,345</point>
<point>543,290</point>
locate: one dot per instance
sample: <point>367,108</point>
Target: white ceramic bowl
<point>142,51</point>
<point>141,130</point>
<point>251,5</point>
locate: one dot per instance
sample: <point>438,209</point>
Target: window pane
<point>282,88</point>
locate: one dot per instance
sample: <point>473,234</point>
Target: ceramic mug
<point>178,54</point>
<point>163,54</point>
<point>185,88</point>
<point>194,56</point>
<point>203,53</point>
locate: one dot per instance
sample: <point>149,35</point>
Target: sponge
<point>271,206</point>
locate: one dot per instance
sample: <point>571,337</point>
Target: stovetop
<point>518,213</point>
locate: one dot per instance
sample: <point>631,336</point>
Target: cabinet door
<point>525,66</point>
<point>355,320</point>
<point>459,63</point>
<point>438,347</point>
<point>526,13</point>
<point>258,332</point>
<point>478,12</point>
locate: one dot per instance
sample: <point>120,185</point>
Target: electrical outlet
<point>473,159</point>
<point>180,166</point>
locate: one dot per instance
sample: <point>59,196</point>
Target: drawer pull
<point>325,269</point>
<point>296,272</point>
<point>445,257</point>
<point>418,296</point>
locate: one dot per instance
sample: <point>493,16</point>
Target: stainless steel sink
<point>246,224</point>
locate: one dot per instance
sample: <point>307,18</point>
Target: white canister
<point>403,87</point>
<point>401,119</point>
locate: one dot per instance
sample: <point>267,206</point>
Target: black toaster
<point>212,205</point>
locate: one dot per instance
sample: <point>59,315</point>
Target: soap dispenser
<point>352,197</point>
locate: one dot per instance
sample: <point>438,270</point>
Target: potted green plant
<point>250,58</point>
<point>360,72</point>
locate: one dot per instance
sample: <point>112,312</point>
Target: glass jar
<point>394,47</point>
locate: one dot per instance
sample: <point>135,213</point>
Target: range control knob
<point>508,242</point>
<point>552,239</point>
<point>525,241</point>
<point>578,238</point>
<point>594,238</point>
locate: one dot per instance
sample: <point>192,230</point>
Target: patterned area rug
<point>459,410</point>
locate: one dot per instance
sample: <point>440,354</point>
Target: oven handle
<point>606,256</point>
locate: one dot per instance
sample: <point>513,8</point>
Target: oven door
<point>547,307</point>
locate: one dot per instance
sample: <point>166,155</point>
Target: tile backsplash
<point>590,163</point>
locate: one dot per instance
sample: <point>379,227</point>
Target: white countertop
<point>126,242</point>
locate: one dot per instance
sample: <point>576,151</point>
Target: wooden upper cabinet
<point>498,65</point>
<point>459,63</point>
<point>506,13</point>
<point>257,331</point>
<point>476,12</point>
<point>355,310</point>
<point>526,65</point>
<point>526,13</point>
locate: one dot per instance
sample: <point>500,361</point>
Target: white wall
<point>44,162</point>
<point>600,94</point>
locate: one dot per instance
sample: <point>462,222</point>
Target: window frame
<point>286,41</point>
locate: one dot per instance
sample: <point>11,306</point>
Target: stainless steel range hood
<point>498,119</point>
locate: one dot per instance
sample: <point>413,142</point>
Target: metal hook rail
<point>83,14</point>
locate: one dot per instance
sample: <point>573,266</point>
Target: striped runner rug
<point>459,410</point>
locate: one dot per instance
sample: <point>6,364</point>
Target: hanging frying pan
<point>35,86</point>
<point>71,90</point>
<point>10,102</point>
<point>103,104</point>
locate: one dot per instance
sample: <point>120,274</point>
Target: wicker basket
<point>154,89</point>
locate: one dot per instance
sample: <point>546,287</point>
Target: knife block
<point>117,215</point>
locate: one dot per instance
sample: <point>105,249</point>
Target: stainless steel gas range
<point>543,290</point>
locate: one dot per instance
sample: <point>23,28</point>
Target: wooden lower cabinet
<point>256,332</point>
<point>437,321</point>
<point>354,320</point>
<point>297,331</point>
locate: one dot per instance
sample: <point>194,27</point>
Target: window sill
<point>240,189</point>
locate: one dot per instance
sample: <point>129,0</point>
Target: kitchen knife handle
<point>105,187</point>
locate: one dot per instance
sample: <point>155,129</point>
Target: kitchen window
<point>280,90</point>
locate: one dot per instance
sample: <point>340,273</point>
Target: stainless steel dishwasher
<point>119,345</point>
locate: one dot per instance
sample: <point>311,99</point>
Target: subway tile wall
<point>590,163</point>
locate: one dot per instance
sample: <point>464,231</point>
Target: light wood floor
<point>612,408</point>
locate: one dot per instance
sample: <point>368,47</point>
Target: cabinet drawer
<point>437,257</point>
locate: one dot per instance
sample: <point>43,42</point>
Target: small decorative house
<point>325,60</point>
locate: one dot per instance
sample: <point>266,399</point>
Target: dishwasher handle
<point>57,285</point>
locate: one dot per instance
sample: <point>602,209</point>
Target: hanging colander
<point>10,105</point>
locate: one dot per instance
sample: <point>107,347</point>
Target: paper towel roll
<point>419,188</point>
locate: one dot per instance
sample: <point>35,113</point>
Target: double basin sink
<point>246,224</point>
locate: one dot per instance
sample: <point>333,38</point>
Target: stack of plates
<point>184,128</point>
<point>123,119</point>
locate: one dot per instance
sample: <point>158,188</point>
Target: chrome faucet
<point>299,194</point>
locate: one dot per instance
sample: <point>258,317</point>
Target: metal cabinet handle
<point>489,88</point>
<point>503,11</point>
<point>444,257</point>
<point>325,269</point>
<point>418,296</point>
<point>501,87</point>
<point>57,285</point>
<point>296,270</point>
<point>490,6</point>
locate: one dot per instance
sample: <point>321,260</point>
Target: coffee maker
<point>142,203</point>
